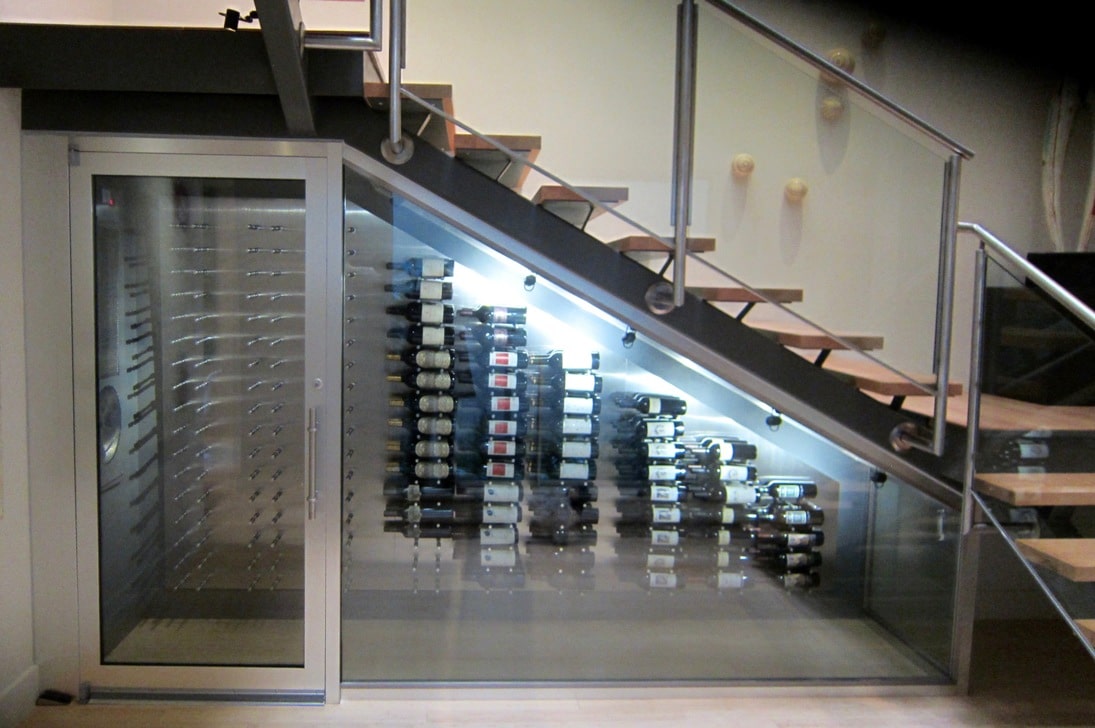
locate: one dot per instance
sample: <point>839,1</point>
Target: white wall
<point>18,674</point>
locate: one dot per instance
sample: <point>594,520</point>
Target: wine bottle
<point>503,469</point>
<point>786,540</point>
<point>497,314</point>
<point>440,426</point>
<point>569,382</point>
<point>425,403</point>
<point>422,335</point>
<point>429,448</point>
<point>500,426</point>
<point>567,404</point>
<point>422,289</point>
<point>425,267</point>
<point>559,469</point>
<point>484,491</point>
<point>800,580</point>
<point>728,580</point>
<point>673,535</point>
<point>788,487</point>
<point>558,425</point>
<point>500,337</point>
<point>691,514</point>
<point>457,513</point>
<point>424,312</point>
<point>801,515</point>
<point>728,450</point>
<point>426,379</point>
<point>428,358</point>
<point>566,360</point>
<point>689,559</point>
<point>502,448</point>
<point>651,404</point>
<point>487,535</point>
<point>725,472</point>
<point>493,383</point>
<point>791,561</point>
<point>566,448</point>
<point>506,359</point>
<point>435,470</point>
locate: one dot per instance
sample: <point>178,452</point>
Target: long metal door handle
<point>313,429</point>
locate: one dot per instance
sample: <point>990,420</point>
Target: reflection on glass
<point>553,507</point>
<point>200,327</point>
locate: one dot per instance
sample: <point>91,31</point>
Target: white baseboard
<point>17,698</point>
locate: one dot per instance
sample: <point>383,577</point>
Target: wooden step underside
<point>575,208</point>
<point>877,379</point>
<point>730,294</point>
<point>1039,489</point>
<point>496,164</point>
<point>650,244</point>
<point>801,336</point>
<point>1072,558</point>
<point>418,120</point>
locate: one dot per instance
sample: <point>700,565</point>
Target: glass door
<point>199,310</point>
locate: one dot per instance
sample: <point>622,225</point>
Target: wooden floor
<point>1025,674</point>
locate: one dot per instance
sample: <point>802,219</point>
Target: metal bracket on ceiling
<point>282,32</point>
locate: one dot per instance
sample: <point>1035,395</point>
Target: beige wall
<point>18,675</point>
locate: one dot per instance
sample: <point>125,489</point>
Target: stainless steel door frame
<point>312,163</point>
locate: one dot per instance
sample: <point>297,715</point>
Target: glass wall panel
<point>532,493</point>
<point>200,355</point>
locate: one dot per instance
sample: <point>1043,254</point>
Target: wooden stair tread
<point>418,120</point>
<point>495,163</point>
<point>1004,414</point>
<point>1021,337</point>
<point>651,244</point>
<point>574,208</point>
<point>1072,558</point>
<point>872,377</point>
<point>1039,489</point>
<point>1087,626</point>
<point>731,294</point>
<point>801,336</point>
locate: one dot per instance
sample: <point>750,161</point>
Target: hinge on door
<point>73,157</point>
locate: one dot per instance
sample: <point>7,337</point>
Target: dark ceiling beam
<point>281,32</point>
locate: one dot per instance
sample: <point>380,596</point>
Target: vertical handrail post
<point>945,298</point>
<point>684,126</point>
<point>973,411</point>
<point>397,148</point>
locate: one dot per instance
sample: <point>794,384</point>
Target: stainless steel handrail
<point>519,159</point>
<point>337,40</point>
<point>849,80</point>
<point>1072,304</point>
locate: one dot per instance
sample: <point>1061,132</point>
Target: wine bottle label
<point>795,517</point>
<point>434,426</point>
<point>661,450</point>
<point>722,538</point>
<point>571,470</point>
<point>501,513</point>
<point>578,360</point>
<point>502,381</point>
<point>660,580</point>
<point>438,449</point>
<point>661,428</point>
<point>432,359</point>
<point>664,494</point>
<point>729,515</point>
<point>799,540</point>
<point>661,472</point>
<point>798,560</point>
<point>502,428</point>
<point>654,405</point>
<point>434,267</point>
<point>664,538</point>
<point>431,290</point>
<point>500,448</point>
<point>436,403</point>
<point>733,472</point>
<point>499,558</point>
<point>576,449</point>
<point>433,380</point>
<point>665,514</point>
<point>505,404</point>
<point>740,494</point>
<point>577,426</point>
<point>660,561</point>
<point>432,470</point>
<point>432,313</point>
<point>499,469</point>
<point>787,491</point>
<point>578,405</point>
<point>492,536</point>
<point>433,336</point>
<point>579,382</point>
<point>722,559</point>
<point>508,359</point>
<point>798,581</point>
<point>501,493</point>
<point>729,580</point>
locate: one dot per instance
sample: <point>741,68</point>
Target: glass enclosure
<point>533,493</point>
<point>200,293</point>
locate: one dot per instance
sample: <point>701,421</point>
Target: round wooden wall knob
<point>795,190</point>
<point>743,165</point>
